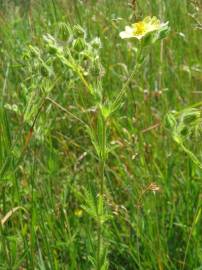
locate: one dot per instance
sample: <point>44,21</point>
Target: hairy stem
<point>102,160</point>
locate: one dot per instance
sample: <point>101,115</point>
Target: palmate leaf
<point>98,136</point>
<point>90,205</point>
<point>94,207</point>
<point>94,141</point>
<point>186,126</point>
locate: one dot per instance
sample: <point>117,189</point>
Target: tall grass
<point>49,170</point>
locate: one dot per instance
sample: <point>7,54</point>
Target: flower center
<point>139,28</point>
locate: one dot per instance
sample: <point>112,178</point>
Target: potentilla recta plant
<point>81,57</point>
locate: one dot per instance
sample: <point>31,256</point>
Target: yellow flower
<point>140,29</point>
<point>78,212</point>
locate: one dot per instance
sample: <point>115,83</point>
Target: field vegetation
<point>100,137</point>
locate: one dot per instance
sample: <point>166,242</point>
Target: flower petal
<point>128,33</point>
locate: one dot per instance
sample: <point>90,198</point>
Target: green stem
<point>118,99</point>
<point>100,224</point>
<point>102,169</point>
<point>102,158</point>
<point>101,194</point>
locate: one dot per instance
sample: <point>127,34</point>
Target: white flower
<point>140,29</point>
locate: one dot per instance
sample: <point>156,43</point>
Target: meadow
<point>100,145</point>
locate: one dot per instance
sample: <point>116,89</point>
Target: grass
<point>50,205</point>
